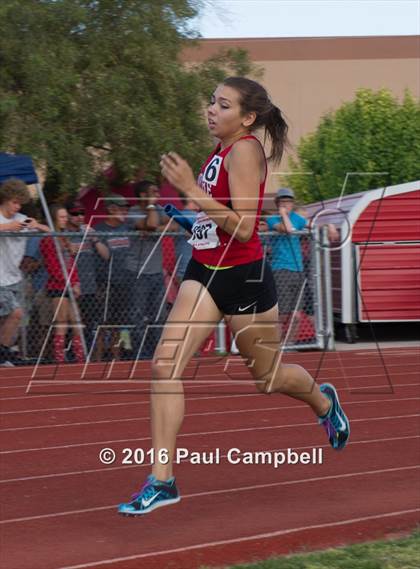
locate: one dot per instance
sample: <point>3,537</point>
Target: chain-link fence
<point>105,295</point>
<point>300,263</point>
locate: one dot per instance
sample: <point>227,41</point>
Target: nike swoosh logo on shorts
<point>246,307</point>
<point>146,503</point>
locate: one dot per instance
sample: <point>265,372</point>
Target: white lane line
<point>187,399</point>
<point>230,373</point>
<point>102,367</point>
<point>144,402</point>
<point>223,363</point>
<point>308,359</point>
<point>251,386</point>
<point>188,382</point>
<point>205,433</point>
<point>225,491</point>
<point>259,536</point>
<point>229,379</point>
<point>112,468</point>
<point>202,414</point>
<point>131,392</point>
<point>66,382</point>
<point>232,364</point>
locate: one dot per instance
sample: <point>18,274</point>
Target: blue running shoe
<point>152,495</point>
<point>335,422</point>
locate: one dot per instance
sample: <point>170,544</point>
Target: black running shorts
<point>244,289</point>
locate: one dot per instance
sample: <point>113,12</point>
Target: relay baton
<point>175,214</point>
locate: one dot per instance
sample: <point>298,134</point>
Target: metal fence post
<point>318,300</point>
<point>221,337</point>
<point>329,317</point>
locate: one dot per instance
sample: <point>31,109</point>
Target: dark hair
<point>142,187</point>
<point>73,205</point>
<point>254,98</point>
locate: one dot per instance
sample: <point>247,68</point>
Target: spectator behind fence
<point>264,238</point>
<point>37,303</point>
<point>288,262</point>
<point>112,274</point>
<point>86,247</point>
<point>145,265</point>
<point>58,286</point>
<point>286,253</point>
<point>13,194</point>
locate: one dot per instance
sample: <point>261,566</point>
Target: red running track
<point>58,502</point>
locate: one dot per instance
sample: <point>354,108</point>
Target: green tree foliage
<point>373,133</point>
<point>84,83</point>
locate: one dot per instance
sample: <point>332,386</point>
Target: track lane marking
<point>113,468</point>
<point>203,433</point>
<point>225,491</point>
<point>201,414</point>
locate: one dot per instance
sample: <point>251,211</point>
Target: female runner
<point>226,277</point>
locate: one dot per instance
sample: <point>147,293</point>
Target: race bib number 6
<point>204,233</point>
<point>211,173</point>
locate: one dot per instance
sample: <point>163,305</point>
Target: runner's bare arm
<point>244,169</point>
<point>244,165</point>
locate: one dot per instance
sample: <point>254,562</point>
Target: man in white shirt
<point>13,194</point>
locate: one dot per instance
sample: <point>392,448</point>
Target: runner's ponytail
<point>254,98</point>
<point>276,128</point>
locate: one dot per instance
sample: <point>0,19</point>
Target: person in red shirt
<point>227,277</point>
<point>58,287</point>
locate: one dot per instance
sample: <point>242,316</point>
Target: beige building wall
<point>307,77</point>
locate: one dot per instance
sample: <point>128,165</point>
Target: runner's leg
<point>192,318</point>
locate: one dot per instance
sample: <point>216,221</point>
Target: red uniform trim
<point>56,279</point>
<point>214,180</point>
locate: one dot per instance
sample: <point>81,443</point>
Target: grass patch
<point>402,553</point>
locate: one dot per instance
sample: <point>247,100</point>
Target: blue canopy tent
<point>14,166</point>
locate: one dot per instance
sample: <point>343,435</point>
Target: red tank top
<point>214,181</point>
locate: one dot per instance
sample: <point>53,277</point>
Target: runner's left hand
<point>177,171</point>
